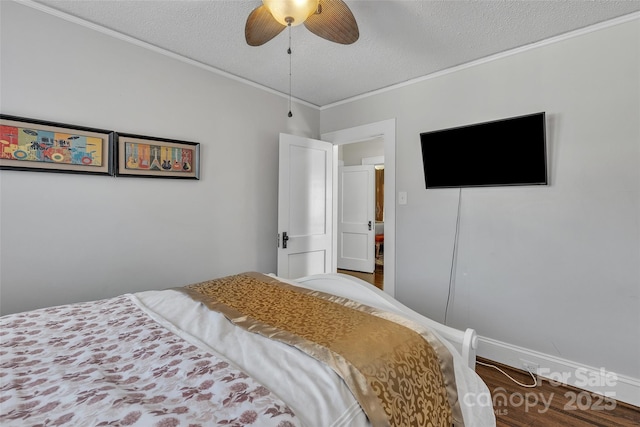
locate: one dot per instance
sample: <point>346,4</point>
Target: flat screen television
<point>504,152</point>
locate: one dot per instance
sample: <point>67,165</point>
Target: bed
<point>243,350</point>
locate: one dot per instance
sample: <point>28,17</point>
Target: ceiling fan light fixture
<point>291,12</point>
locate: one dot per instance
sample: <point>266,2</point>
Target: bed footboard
<point>465,342</point>
<point>470,347</point>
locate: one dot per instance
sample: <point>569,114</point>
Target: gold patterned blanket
<point>399,372</point>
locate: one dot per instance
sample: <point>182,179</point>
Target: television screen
<point>503,152</point>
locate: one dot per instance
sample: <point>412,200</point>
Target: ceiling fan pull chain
<point>289,52</point>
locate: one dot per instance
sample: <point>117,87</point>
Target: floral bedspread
<point>107,363</point>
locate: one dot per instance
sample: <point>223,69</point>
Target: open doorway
<point>387,130</point>
<point>367,153</point>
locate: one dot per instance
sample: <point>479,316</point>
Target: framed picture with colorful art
<point>145,156</point>
<point>42,146</point>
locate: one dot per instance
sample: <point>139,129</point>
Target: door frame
<point>385,129</point>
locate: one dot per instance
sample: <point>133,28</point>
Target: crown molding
<point>156,49</point>
<point>167,53</point>
<point>556,39</point>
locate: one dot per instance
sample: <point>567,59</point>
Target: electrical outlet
<point>530,366</point>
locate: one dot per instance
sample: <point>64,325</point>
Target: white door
<point>305,191</point>
<point>356,218</point>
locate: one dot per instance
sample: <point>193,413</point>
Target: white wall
<point>552,269</point>
<point>352,154</point>
<point>68,238</point>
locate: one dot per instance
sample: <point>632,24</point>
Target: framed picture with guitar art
<point>148,157</point>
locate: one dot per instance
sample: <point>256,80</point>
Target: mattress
<point>164,358</point>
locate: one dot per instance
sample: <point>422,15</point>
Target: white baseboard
<point>597,380</point>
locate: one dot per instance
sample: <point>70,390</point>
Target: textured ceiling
<point>399,40</point>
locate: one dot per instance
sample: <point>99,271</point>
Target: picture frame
<point>43,146</point>
<point>149,157</point>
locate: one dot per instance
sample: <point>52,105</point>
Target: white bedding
<point>313,391</point>
<point>108,363</point>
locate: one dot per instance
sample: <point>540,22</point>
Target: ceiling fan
<point>329,19</point>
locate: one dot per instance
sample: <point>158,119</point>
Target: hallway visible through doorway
<point>376,278</point>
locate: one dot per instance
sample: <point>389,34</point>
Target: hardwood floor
<point>550,405</point>
<point>376,278</point>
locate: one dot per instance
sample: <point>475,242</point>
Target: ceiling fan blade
<point>261,27</point>
<point>335,22</point>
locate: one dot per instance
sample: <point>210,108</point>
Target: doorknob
<point>369,225</point>
<point>285,239</point>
